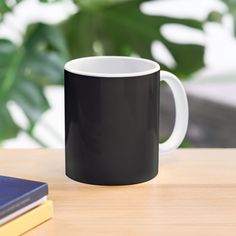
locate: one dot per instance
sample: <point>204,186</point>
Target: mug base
<point>109,183</point>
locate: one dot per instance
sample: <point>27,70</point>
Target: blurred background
<point>195,39</point>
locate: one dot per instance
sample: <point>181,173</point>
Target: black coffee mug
<point>112,119</point>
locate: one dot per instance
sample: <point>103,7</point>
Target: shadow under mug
<point>112,119</point>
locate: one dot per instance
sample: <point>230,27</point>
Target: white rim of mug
<point>156,67</point>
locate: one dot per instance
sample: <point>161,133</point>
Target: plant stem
<point>36,139</point>
<point>52,131</point>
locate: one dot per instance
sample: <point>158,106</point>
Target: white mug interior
<point>112,66</point>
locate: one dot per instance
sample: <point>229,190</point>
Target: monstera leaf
<point>110,27</point>
<point>101,27</point>
<point>4,8</point>
<point>25,70</point>
<point>7,6</point>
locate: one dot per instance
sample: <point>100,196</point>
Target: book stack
<point>23,205</point>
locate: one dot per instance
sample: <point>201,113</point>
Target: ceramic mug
<point>112,119</point>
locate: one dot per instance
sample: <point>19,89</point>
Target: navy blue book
<point>16,194</point>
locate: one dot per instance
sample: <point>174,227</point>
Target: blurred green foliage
<point>101,27</point>
<point>25,71</point>
<point>232,10</point>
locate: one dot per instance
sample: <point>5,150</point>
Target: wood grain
<point>194,194</point>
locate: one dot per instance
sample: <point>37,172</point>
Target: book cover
<point>18,193</point>
<point>28,221</point>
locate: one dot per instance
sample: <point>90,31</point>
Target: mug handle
<point>181,110</point>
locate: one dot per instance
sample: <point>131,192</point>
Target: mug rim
<point>69,67</point>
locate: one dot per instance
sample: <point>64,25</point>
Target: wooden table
<point>194,194</point>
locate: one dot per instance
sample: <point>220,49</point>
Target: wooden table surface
<point>194,194</point>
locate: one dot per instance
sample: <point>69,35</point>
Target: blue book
<point>16,194</point>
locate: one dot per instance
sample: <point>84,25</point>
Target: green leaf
<point>8,128</point>
<point>49,1</point>
<point>31,99</point>
<point>7,6</point>
<point>4,7</point>
<point>215,16</point>
<point>101,27</point>
<point>91,5</point>
<point>120,28</point>
<point>189,58</point>
<point>26,70</point>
